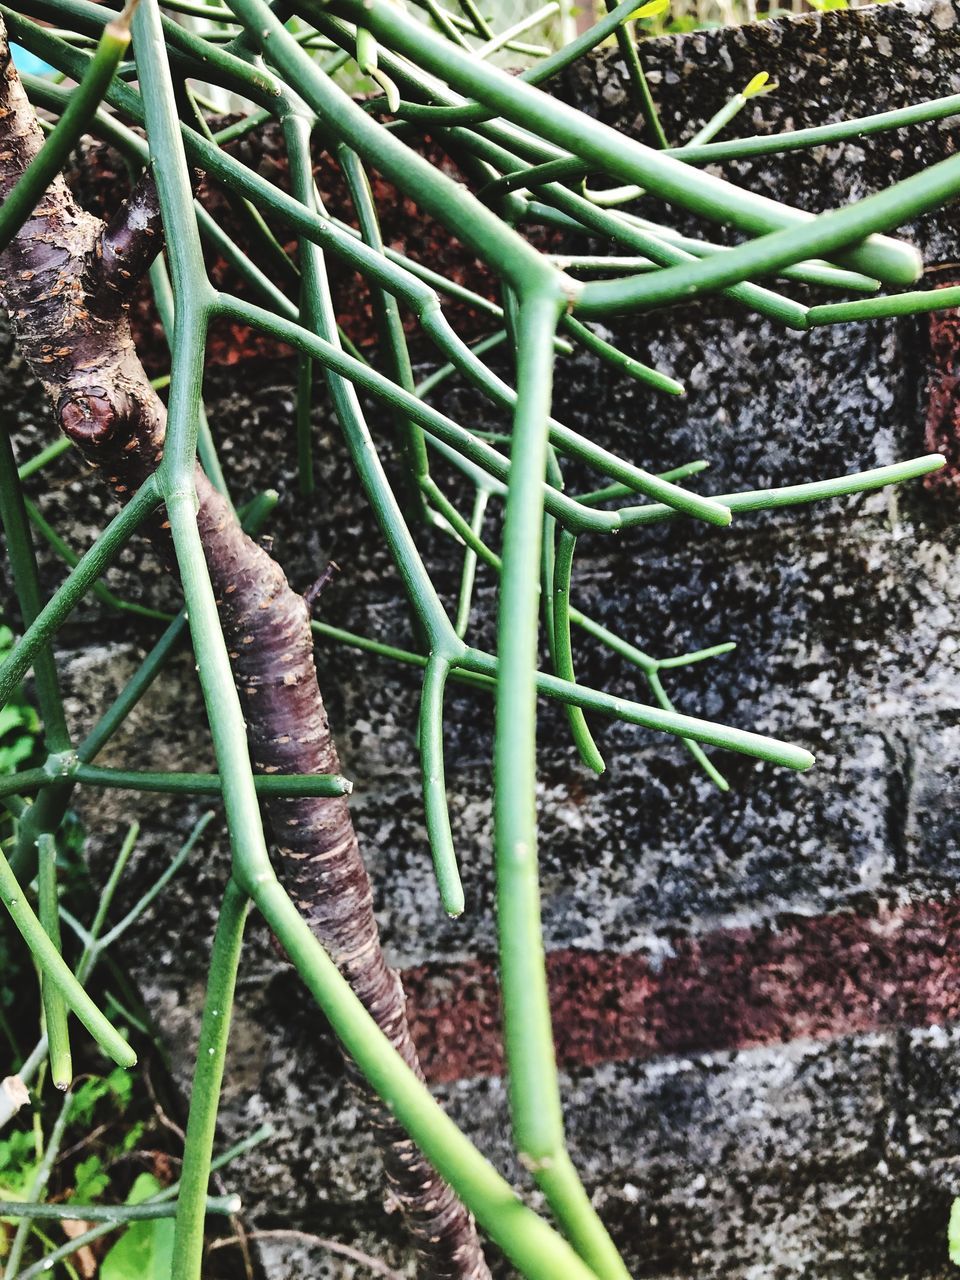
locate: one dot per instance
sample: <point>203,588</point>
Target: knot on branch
<point>93,417</point>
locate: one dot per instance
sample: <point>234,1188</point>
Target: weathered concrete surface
<point>756,990</point>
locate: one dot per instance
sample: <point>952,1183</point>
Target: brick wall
<point>755,991</point>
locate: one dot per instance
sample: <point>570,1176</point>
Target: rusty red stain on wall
<point>810,978</point>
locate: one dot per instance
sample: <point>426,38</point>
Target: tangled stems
<point>532,1245</point>
<point>563,126</point>
<point>533,490</point>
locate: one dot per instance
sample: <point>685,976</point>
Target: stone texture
<point>835,1153</point>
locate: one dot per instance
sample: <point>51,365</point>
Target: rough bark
<point>66,281</point>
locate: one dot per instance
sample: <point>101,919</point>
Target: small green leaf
<point>757,83</point>
<point>18,1164</point>
<point>953,1233</point>
<point>90,1180</point>
<point>760,83</point>
<point>132,1136</point>
<point>650,10</point>
<point>145,1250</point>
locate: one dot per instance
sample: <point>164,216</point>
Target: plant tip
<point>652,9</point>
<point>761,83</point>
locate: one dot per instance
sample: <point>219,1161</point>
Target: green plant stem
<point>563,651</point>
<point>537,1251</point>
<point>95,943</point>
<point>55,971</point>
<point>207,1081</point>
<point>614,153</point>
<point>211,784</point>
<point>52,156</point>
<point>44,457</point>
<point>528,1038</point>
<point>46,530</point>
<point>433,380</point>
<point>114,1214</point>
<point>729,111</point>
<point>821,135</point>
<point>165,1196</point>
<point>627,44</point>
<point>198,784</point>
<point>618,360</point>
<point>610,492</point>
<point>436,812</point>
<point>650,668</point>
<point>715,735</point>
<point>794,494</point>
<point>469,571</point>
<point>906,200</point>
<point>54,1007</point>
<point>38,1186</point>
<point>815,271</point>
<point>304,423</point>
<point>904,304</point>
<point>23,564</point>
<point>566,510</point>
<point>616,227</point>
<point>791,139</point>
<point>206,448</point>
<point>509,34</point>
<point>87,571</point>
<point>391,327</point>
<point>297,133</point>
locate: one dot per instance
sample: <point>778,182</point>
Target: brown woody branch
<point>131,239</point>
<point>66,280</point>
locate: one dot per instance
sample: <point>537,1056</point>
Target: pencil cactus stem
<point>528,1039</point>
<point>56,972</point>
<point>563,650</point>
<point>54,1004</point>
<point>436,811</point>
<point>207,1081</point>
<point>277,766</point>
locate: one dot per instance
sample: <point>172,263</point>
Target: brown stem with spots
<point>66,280</point>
